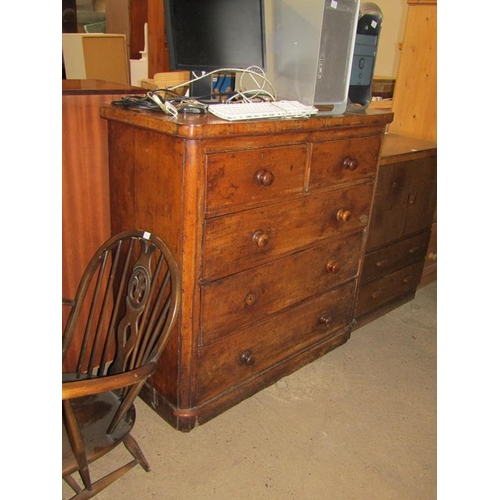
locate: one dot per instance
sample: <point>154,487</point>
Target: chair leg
<point>132,446</point>
<point>71,482</point>
<point>76,442</point>
<point>104,482</point>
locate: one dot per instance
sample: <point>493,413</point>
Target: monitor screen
<point>206,35</point>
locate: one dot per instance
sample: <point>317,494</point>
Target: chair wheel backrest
<point>125,307</point>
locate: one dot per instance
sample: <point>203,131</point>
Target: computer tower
<point>309,50</point>
<point>365,52</point>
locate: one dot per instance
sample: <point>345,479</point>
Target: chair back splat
<point>119,322</point>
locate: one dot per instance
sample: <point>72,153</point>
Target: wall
<point>393,27</point>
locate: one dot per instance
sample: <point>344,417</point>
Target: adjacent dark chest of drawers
<point>400,228</point>
<point>268,221</point>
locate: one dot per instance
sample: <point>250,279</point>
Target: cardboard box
<point>167,79</point>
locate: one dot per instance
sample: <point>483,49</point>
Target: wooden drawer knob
<point>382,263</point>
<point>326,319</point>
<point>407,279</point>
<point>247,358</point>
<point>413,249</point>
<point>250,299</point>
<point>350,163</point>
<point>376,294</point>
<point>343,215</point>
<point>333,267</point>
<point>260,238</point>
<point>264,178</point>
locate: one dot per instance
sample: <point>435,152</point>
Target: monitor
<point>204,36</point>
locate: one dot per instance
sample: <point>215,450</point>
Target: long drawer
<point>245,239</point>
<point>394,257</point>
<point>238,300</point>
<point>249,352</point>
<point>378,292</point>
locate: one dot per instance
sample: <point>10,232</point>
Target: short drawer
<point>336,162</point>
<point>244,355</point>
<point>231,303</point>
<point>243,178</point>
<point>394,257</point>
<point>373,295</point>
<point>243,240</point>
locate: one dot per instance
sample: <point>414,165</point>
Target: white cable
<point>248,95</point>
<point>255,72</point>
<point>166,107</point>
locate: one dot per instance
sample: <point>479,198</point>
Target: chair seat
<point>94,414</point>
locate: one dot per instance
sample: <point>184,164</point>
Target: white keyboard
<point>258,110</point>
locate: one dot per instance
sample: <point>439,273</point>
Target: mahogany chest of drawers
<point>268,222</point>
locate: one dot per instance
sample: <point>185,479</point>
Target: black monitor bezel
<point>172,42</point>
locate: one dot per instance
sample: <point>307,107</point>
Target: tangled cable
<point>168,99</point>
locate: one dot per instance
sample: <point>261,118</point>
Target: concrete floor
<point>359,423</point>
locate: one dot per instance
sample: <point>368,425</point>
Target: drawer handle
<point>247,358</point>
<point>407,279</point>
<point>333,267</point>
<point>250,299</point>
<point>326,319</point>
<point>264,178</point>
<point>350,163</point>
<point>343,215</point>
<point>382,263</point>
<point>376,294</point>
<point>413,249</point>
<point>260,238</point>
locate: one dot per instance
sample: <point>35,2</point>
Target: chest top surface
<point>208,126</point>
